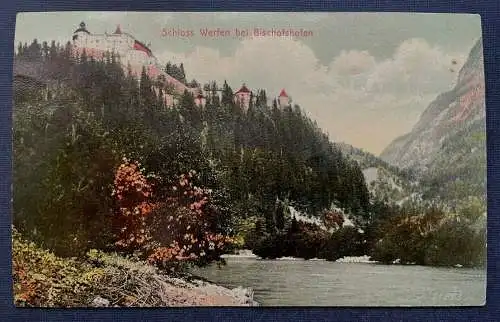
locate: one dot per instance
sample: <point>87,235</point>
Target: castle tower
<point>242,97</point>
<point>283,98</point>
<point>200,100</point>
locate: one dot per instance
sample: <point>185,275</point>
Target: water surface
<point>322,283</point>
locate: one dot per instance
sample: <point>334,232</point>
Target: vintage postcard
<point>248,159</point>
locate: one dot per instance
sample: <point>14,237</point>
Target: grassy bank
<point>42,279</point>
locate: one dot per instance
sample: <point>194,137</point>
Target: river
<point>321,283</point>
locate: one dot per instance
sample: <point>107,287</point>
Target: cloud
<point>353,62</point>
<point>415,68</point>
<point>355,98</point>
<point>260,63</point>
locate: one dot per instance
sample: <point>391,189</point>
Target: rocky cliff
<point>448,144</point>
<point>450,113</point>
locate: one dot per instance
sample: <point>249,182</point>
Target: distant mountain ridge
<point>447,146</point>
<point>448,114</point>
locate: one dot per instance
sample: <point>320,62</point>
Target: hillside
<point>384,181</point>
<point>88,120</point>
<point>448,144</point>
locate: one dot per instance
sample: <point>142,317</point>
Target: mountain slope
<point>447,115</point>
<point>448,144</point>
<point>384,181</point>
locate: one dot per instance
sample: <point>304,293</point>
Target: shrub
<point>455,242</point>
<point>385,251</point>
<point>133,193</point>
<point>404,237</point>
<point>303,240</point>
<point>186,227</point>
<point>308,241</point>
<point>42,279</point>
<point>434,238</point>
<point>272,246</point>
<point>62,178</point>
<point>346,241</point>
<point>333,219</point>
<point>255,234</point>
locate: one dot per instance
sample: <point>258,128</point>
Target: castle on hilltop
<point>135,55</point>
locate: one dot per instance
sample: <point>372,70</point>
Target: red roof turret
<point>243,89</point>
<point>283,93</point>
<point>82,28</point>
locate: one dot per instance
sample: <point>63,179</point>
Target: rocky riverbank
<point>177,292</point>
<point>153,287</point>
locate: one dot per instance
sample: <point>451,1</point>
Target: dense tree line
<point>250,158</point>
<point>69,143</point>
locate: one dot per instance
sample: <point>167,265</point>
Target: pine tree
<point>227,95</point>
<point>168,68</point>
<point>45,50</point>
<point>182,74</point>
<point>53,51</point>
<point>280,216</point>
<point>214,94</point>
<point>147,97</point>
<point>25,50</point>
<point>20,52</point>
<point>261,101</point>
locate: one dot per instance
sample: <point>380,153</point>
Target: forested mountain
<point>252,158</point>
<point>448,144</point>
<point>385,181</point>
<point>100,162</point>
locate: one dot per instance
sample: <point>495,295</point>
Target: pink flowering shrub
<point>180,228</point>
<point>133,194</point>
<point>187,223</point>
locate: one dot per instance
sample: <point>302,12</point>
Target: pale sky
<point>365,77</point>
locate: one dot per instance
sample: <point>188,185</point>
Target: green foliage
<point>459,170</point>
<point>433,237</point>
<point>62,178</point>
<point>472,209</point>
<point>176,72</point>
<point>43,279</point>
<point>244,227</point>
<point>457,242</point>
<point>305,240</point>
